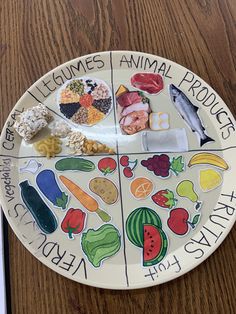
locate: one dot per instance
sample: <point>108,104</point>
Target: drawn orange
<point>141,187</point>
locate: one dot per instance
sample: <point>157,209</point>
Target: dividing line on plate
<point>127,153</point>
<point>118,164</point>
<point>3,303</point>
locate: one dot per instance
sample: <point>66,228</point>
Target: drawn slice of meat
<point>135,122</point>
<point>129,98</point>
<point>135,107</point>
<point>151,83</point>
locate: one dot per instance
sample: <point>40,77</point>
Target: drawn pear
<point>186,189</point>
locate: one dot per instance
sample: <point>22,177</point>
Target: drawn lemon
<point>209,179</point>
<point>141,187</point>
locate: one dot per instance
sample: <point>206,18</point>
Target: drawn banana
<point>209,159</point>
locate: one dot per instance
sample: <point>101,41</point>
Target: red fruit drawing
<point>128,173</point>
<point>107,165</point>
<point>128,166</point>
<point>164,198</point>
<point>178,221</point>
<point>124,161</point>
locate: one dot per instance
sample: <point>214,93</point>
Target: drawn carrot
<point>85,199</point>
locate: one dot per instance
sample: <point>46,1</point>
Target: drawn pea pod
<point>47,183</point>
<point>42,214</point>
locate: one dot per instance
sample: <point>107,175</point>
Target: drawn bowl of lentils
<point>85,101</point>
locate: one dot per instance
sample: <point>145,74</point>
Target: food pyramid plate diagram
<point>117,170</point>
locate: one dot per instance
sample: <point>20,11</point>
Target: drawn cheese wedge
<point>121,90</point>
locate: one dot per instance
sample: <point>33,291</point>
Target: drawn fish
<point>189,113</point>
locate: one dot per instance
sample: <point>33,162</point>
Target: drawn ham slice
<point>129,98</point>
<point>135,107</point>
<point>151,83</point>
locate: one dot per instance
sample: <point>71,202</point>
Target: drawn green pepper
<point>42,214</point>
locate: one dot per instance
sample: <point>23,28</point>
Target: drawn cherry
<point>178,221</point>
<point>124,161</point>
<point>128,172</point>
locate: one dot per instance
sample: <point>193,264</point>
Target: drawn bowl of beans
<point>85,101</point>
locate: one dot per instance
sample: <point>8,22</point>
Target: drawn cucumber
<point>74,163</point>
<point>42,214</point>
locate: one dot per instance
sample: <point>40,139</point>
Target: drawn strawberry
<point>164,198</point>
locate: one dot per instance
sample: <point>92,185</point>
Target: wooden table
<point>38,35</point>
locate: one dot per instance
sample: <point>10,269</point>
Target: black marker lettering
<point>194,86</point>
<point>208,103</point>
<point>134,62</point>
<point>216,110</point>
<point>44,240</point>
<point>203,240</point>
<point>88,61</point>
<point>124,60</point>
<point>82,262</point>
<point>167,72</point>
<point>215,235</point>
<point>192,250</point>
<point>141,62</point>
<point>188,77</point>
<point>48,248</point>
<point>149,65</point>
<point>77,69</point>
<point>214,217</point>
<point>231,196</point>
<point>69,75</point>
<point>56,259</point>
<point>45,96</point>
<point>33,96</point>
<point>203,92</point>
<point>9,135</point>
<point>97,59</point>
<point>7,145</point>
<point>46,84</point>
<point>227,208</point>
<point>162,69</point>
<point>68,265</point>
<point>58,79</point>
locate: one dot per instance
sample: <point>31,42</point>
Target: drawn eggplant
<point>47,183</point>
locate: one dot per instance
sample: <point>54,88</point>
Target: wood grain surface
<point>38,35</point>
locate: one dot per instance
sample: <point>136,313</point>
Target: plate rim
<point>85,281</point>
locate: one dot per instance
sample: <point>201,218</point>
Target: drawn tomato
<point>107,165</point>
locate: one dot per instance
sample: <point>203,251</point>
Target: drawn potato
<point>105,189</point>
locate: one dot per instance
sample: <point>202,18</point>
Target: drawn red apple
<point>179,223</point>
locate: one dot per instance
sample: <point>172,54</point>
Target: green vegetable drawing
<point>101,243</point>
<point>74,163</point>
<point>42,214</point>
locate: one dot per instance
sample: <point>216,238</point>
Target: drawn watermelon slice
<point>155,245</point>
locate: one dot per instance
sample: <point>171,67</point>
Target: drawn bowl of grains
<point>85,101</point>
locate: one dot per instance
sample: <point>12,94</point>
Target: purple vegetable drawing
<point>47,183</point>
